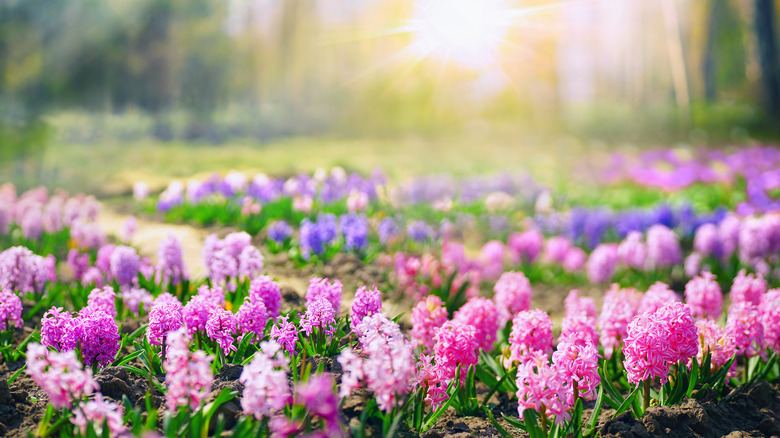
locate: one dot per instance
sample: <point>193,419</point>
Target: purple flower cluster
<point>232,258</point>
<point>10,310</point>
<point>279,231</point>
<point>354,227</point>
<point>367,302</point>
<point>325,288</point>
<point>266,290</point>
<point>316,237</point>
<point>170,264</point>
<point>22,271</point>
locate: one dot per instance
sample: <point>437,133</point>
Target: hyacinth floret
<point>60,375</point>
<point>135,299</point>
<point>482,314</point>
<point>427,316</point>
<point>575,305</point>
<point>512,295</point>
<point>542,387</point>
<point>325,288</point>
<point>319,315</point>
<point>745,330</point>
<point>703,296</point>
<point>285,334</point>
<point>222,328</point>
<point>617,310</point>
<point>266,290</point>
<point>531,332</point>
<point>103,299</point>
<point>252,318</point>
<point>58,330</point>
<point>681,333</point>
<point>428,375</point>
<point>647,350</point>
<point>164,317</point>
<point>188,375</point>
<point>579,364</point>
<point>265,382</point>
<point>170,264</point>
<point>98,412</point>
<point>713,340</point>
<point>125,265</point>
<point>195,313</point>
<point>657,296</point>
<point>367,302</point>
<point>748,288</point>
<point>455,344</point>
<point>10,310</point>
<point>98,336</point>
<point>770,318</point>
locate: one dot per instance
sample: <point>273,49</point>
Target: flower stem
<point>646,394</point>
<point>543,408</point>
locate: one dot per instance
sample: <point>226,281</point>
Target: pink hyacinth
<point>617,310</point>
<point>579,364</point>
<point>214,294</point>
<point>703,295</point>
<point>285,333</point>
<point>427,316</point>
<point>222,328</point>
<point>657,296</point>
<point>92,277</point>
<point>324,288</point>
<point>319,399</point>
<point>135,299</point>
<point>352,371</point>
<point>575,259</point>
<point>10,310</point>
<point>266,290</point>
<point>713,340</point>
<point>555,249</point>
<point>455,344</point>
<point>579,329</point>
<point>58,330</point>
<point>632,251</point>
<point>647,349</point>
<point>681,333</point>
<point>542,387</point>
<point>252,318</point>
<point>512,295</point>
<point>531,332</point>
<point>188,375</point>
<point>744,328</point>
<point>770,318</point>
<point>367,302</point>
<point>663,248</point>
<point>525,247</point>
<point>748,288</point>
<point>99,412</point>
<point>319,315</point>
<point>60,375</point>
<point>482,314</point>
<point>98,336</point>
<point>602,263</point>
<point>250,262</point>
<point>164,317</point>
<point>195,313</point>
<point>104,299</point>
<point>430,377</point>
<point>265,382</point>
<point>576,305</point>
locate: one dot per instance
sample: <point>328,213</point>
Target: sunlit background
<point>95,92</point>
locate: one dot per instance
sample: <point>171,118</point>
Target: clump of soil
<point>748,411</point>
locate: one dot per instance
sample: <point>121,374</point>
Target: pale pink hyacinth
<point>703,296</point>
<point>512,295</point>
<point>265,382</point>
<point>103,299</point>
<point>693,265</point>
<point>455,344</point>
<point>325,288</point>
<point>555,249</point>
<point>285,333</point>
<point>60,375</point>
<point>540,384</point>
<point>657,296</point>
<point>430,377</point>
<point>427,316</point>
<point>136,299</point>
<point>352,371</point>
<point>579,363</point>
<point>531,332</point>
<point>127,230</point>
<point>602,263</point>
<point>770,318</point>
<point>99,412</point>
<point>713,340</point>
<point>617,311</point>
<point>647,350</point>
<point>319,399</point>
<point>575,259</point>
<point>10,310</point>
<point>188,375</point>
<point>525,247</point>
<point>92,277</point>
<point>366,303</point>
<point>222,328</point>
<point>357,201</point>
<point>579,329</point>
<point>482,314</point>
<point>744,328</point>
<point>663,248</point>
<point>681,333</point>
<point>632,251</point>
<point>748,288</point>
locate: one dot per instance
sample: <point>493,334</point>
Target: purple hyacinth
<point>78,263</point>
<point>279,231</point>
<point>10,310</point>
<point>419,231</point>
<point>98,336</point>
<point>324,288</point>
<point>196,313</point>
<point>663,248</point>
<point>164,317</point>
<point>170,264</point>
<point>266,290</point>
<point>125,265</point>
<point>250,263</point>
<point>319,315</point>
<point>354,227</point>
<point>602,262</point>
<point>58,330</point>
<point>252,317</point>
<point>707,241</point>
<point>285,333</point>
<point>387,229</point>
<point>103,299</point>
<point>222,327</point>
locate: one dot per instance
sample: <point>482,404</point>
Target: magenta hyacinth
<point>125,265</point>
<point>195,313</point>
<point>285,334</point>
<point>512,295</point>
<point>58,330</point>
<point>526,246</point>
<point>575,305</point>
<point>252,318</point>
<point>266,290</point>
<point>170,263</point>
<point>60,375</point>
<point>429,376</point>
<point>427,316</point>
<point>367,302</point>
<point>542,387</point>
<point>482,314</point>
<point>744,328</point>
<point>663,248</point>
<point>713,340</point>
<point>555,249</point>
<point>325,288</point>
<point>10,310</point>
<point>531,332</point>
<point>681,333</point>
<point>266,389</point>
<point>703,295</point>
<point>103,299</point>
<point>455,344</point>
<point>579,363</point>
<point>657,296</point>
<point>617,311</point>
<point>98,336</point>
<point>222,328</point>
<point>770,318</point>
<point>188,375</point>
<point>318,397</point>
<point>319,315</point>
<point>647,349</point>
<point>748,288</point>
<point>164,317</point>
<point>136,299</point>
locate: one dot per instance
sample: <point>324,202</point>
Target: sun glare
<point>468,32</point>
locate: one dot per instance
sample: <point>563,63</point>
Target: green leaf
<point>498,427</point>
<point>627,401</point>
<point>211,408</point>
<point>495,386</point>
<point>514,422</point>
<point>594,416</point>
<point>532,426</point>
<point>694,377</point>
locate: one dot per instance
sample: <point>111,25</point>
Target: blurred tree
<point>765,22</point>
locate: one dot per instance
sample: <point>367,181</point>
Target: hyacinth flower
<point>617,311</point>
<point>285,334</point>
<point>748,288</point>
<point>427,316</point>
<point>99,412</point>
<point>319,322</point>
<point>531,333</point>
<point>98,336</point>
<point>188,375</point>
<point>325,288</point>
<point>579,364</point>
<point>321,403</point>
<point>745,331</point>
<point>264,289</point>
<point>222,327</point>
<point>171,269</point>
<point>367,302</point>
<point>455,347</point>
<point>60,375</point>
<point>265,382</point>
<point>252,318</point>
<point>165,317</point>
<point>770,318</point>
<point>714,342</point>
<point>58,331</point>
<point>512,295</point>
<point>542,387</point>
<point>657,296</point>
<point>703,296</point>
